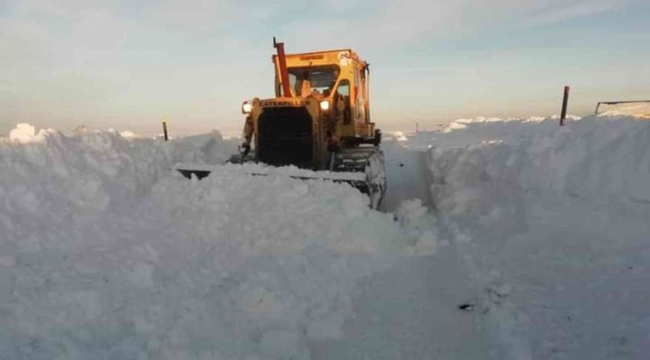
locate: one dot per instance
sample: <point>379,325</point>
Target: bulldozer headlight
<point>324,105</point>
<point>246,108</point>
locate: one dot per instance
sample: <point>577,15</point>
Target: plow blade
<point>361,168</point>
<point>358,180</point>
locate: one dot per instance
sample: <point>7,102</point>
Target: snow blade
<point>361,169</point>
<point>356,182</point>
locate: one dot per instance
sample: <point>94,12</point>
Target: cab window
<point>313,78</point>
<point>344,92</point>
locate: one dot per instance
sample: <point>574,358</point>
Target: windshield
<point>308,79</point>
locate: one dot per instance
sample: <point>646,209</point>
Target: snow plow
<point>318,123</point>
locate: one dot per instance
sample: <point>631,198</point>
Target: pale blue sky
<point>125,64</point>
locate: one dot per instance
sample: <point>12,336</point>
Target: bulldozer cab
<point>339,76</point>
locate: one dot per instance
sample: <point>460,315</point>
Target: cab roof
<point>325,57</point>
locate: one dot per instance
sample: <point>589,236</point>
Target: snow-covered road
<point>411,312</point>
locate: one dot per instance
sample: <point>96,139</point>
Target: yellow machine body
<point>319,119</point>
<point>279,124</point>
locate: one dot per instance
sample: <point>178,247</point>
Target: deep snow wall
<point>553,222</point>
<point>597,159</point>
<point>91,170</point>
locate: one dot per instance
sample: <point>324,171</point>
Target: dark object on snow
<point>466,307</point>
<point>565,102</point>
<point>165,130</point>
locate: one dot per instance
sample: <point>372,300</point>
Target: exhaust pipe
<point>284,74</point>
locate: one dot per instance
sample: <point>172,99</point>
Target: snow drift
<point>553,222</point>
<point>601,159</point>
<point>105,252</point>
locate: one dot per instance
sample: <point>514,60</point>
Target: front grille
<point>285,137</point>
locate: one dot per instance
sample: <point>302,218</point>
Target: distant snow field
<point>498,239</point>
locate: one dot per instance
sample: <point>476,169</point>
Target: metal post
<point>282,62</point>
<point>565,102</point>
<point>165,129</point>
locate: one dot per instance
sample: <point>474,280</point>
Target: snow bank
<point>639,109</point>
<point>598,158</point>
<point>463,132</point>
<point>556,216</point>
<point>24,133</point>
<point>50,170</point>
<point>108,253</point>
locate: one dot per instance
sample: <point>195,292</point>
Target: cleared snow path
<point>407,175</point>
<point>489,328</point>
<point>411,312</point>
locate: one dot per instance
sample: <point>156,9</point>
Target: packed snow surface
<point>107,252</point>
